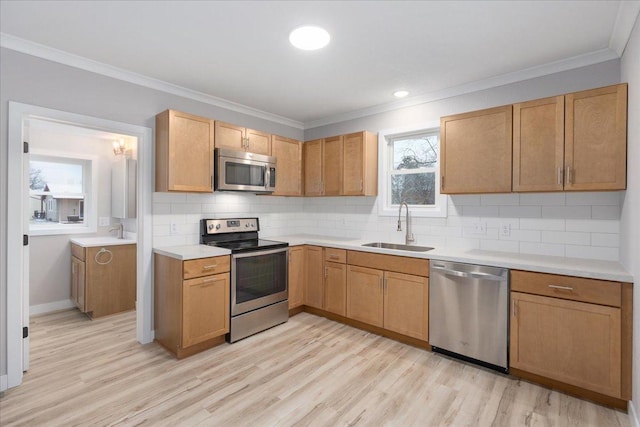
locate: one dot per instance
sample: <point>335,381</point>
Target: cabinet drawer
<point>77,251</point>
<point>205,266</point>
<point>399,264</point>
<point>335,255</point>
<point>568,287</point>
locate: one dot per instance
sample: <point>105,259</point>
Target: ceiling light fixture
<point>119,147</point>
<point>309,38</point>
<point>400,93</point>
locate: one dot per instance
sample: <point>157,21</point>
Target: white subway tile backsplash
<point>542,199</point>
<point>542,224</point>
<point>605,239</point>
<point>465,200</point>
<point>480,210</point>
<point>186,208</point>
<point>161,208</point>
<point>599,198</point>
<point>566,237</point>
<point>500,246</point>
<point>523,236</point>
<point>592,252</point>
<point>169,197</point>
<point>574,212</point>
<point>520,211</point>
<point>605,212</point>
<point>541,249</point>
<point>512,199</point>
<point>463,243</point>
<point>593,226</point>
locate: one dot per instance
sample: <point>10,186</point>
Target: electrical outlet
<point>505,230</point>
<point>173,228</point>
<point>104,221</point>
<point>479,227</point>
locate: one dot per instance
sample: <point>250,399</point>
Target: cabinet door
<point>364,295</point>
<point>332,166</point>
<point>573,342</point>
<point>476,151</point>
<point>296,276</point>
<point>110,279</point>
<point>313,168</point>
<point>596,139</point>
<point>360,172</point>
<point>230,136</point>
<point>289,174</point>
<point>335,288</point>
<point>205,310</point>
<point>406,304</point>
<point>77,282</point>
<point>314,290</point>
<point>184,152</point>
<point>258,142</point>
<point>538,145</point>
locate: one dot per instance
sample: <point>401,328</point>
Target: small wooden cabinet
<point>313,167</point>
<point>103,279</point>
<point>191,303</point>
<point>335,281</point>
<point>314,284</point>
<point>184,152</point>
<point>572,330</point>
<point>365,295</point>
<point>243,139</point>
<point>360,172</point>
<point>475,151</point>
<point>296,276</point>
<point>289,166</point>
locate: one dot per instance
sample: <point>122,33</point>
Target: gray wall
<point>31,80</point>
<point>630,225</point>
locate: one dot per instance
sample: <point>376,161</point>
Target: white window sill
<point>58,229</point>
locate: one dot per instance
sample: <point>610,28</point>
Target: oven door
<point>243,175</point>
<point>258,279</point>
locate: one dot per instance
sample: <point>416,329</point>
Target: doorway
<point>18,217</point>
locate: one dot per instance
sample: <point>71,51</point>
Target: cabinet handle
<point>334,257</point>
<point>360,185</point>
<point>568,174</point>
<point>514,308</point>
<point>209,281</point>
<point>103,251</point>
<point>326,272</point>
<point>209,267</point>
<point>380,283</point>
<point>564,288</point>
<point>559,176</point>
<point>386,285</point>
<point>73,268</point>
<point>442,183</point>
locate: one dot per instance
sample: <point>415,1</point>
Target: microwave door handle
<point>267,177</point>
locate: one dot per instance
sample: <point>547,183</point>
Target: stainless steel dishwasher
<point>469,312</point>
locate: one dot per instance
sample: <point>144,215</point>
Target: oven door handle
<point>259,252</point>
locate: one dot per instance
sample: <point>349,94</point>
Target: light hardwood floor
<point>309,371</point>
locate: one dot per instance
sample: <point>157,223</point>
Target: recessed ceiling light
<point>400,93</point>
<point>309,38</point>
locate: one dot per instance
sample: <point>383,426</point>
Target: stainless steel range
<point>259,289</point>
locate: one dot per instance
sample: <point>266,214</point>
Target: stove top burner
<point>235,234</point>
<point>249,245</point>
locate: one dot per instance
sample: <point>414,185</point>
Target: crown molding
<point>628,12</point>
<point>478,85</point>
<point>45,52</point>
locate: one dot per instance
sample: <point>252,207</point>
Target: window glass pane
<point>56,191</point>
<point>415,152</point>
<point>413,188</point>
<point>64,177</point>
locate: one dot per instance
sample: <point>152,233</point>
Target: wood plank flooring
<point>308,372</point>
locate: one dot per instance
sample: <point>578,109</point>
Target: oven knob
<point>246,225</point>
<point>210,226</point>
<point>217,226</point>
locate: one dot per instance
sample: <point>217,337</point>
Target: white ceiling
<point>237,52</point>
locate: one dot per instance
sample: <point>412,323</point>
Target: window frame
<point>385,159</point>
<point>90,191</point>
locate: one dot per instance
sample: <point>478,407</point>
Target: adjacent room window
<point>410,161</point>
<point>59,195</point>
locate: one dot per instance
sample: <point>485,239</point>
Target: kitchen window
<point>60,194</point>
<point>410,165</point>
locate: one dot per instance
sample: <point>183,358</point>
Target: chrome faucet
<point>120,229</point>
<point>408,239</point>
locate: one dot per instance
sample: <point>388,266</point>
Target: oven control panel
<point>234,225</point>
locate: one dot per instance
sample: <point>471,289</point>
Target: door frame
<point>16,259</point>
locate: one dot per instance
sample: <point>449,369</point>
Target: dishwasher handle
<point>466,274</point>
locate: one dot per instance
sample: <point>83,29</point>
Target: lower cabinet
<point>314,286</point>
<point>335,288</point>
<point>191,303</point>
<point>78,271</point>
<point>572,330</point>
<point>296,276</point>
<point>364,295</point>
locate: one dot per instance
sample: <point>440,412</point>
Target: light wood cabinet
<point>364,295</point>
<point>289,154</point>
<point>313,167</point>
<point>243,139</point>
<point>476,150</point>
<point>538,145</point>
<point>184,152</point>
<point>360,172</point>
<point>191,303</point>
<point>335,281</point>
<point>596,139</point>
<point>296,276</point>
<point>314,286</point>
<point>103,279</point>
<point>406,304</point>
<point>332,165</point>
<point>573,331</point>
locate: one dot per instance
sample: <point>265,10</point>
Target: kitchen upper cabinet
<point>332,166</point>
<point>365,299</point>
<point>184,152</point>
<point>538,145</point>
<point>296,276</point>
<point>313,167</point>
<point>596,139</point>
<point>242,139</point>
<point>289,154</point>
<point>476,151</point>
<point>360,171</point>
<point>314,284</point>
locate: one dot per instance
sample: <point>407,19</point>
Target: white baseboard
<point>633,415</point>
<point>3,382</point>
<point>50,307</point>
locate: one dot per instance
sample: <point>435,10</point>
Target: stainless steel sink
<point>398,246</point>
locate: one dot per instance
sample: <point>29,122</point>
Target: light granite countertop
<point>87,242</point>
<point>188,252</point>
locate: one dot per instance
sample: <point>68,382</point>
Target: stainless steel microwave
<point>242,171</point>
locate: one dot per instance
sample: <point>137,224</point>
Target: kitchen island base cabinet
<point>191,313</point>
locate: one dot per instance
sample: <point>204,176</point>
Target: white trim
<point>633,416</point>
<point>41,51</point>
<point>474,86</point>
<point>50,307</point>
<point>144,316</point>
<point>628,13</point>
<point>3,383</point>
<point>440,211</point>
